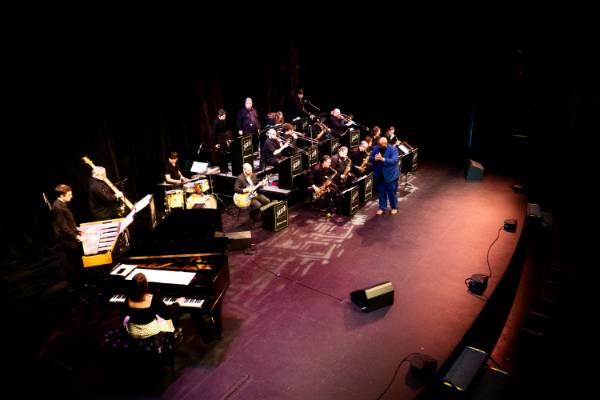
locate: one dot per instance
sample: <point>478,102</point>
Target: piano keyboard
<point>190,302</point>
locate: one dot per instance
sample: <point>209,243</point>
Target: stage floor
<point>290,329</point>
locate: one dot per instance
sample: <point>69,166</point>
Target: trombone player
<point>339,123</point>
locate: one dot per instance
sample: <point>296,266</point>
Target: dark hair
<point>325,158</point>
<point>63,189</point>
<point>173,155</point>
<point>139,287</point>
<point>221,112</point>
<point>300,91</point>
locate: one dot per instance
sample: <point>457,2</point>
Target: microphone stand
<point>312,105</point>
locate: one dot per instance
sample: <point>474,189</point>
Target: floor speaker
<point>465,369</point>
<point>374,297</point>
<point>474,171</point>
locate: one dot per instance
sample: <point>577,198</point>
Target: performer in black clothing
<point>343,165</point>
<point>360,159</point>
<point>247,119</point>
<point>104,203</point>
<point>223,139</point>
<point>172,172</point>
<point>246,182</point>
<point>338,124</point>
<point>66,232</point>
<point>142,307</point>
<point>297,106</point>
<point>321,187</point>
<point>271,151</point>
<point>289,136</point>
<point>390,134</point>
<point>219,127</point>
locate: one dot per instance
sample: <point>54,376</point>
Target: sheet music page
<point>123,269</point>
<point>142,203</point>
<point>162,276</point>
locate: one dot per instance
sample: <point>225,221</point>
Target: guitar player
<point>246,183</point>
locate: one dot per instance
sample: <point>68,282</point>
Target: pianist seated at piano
<point>145,314</point>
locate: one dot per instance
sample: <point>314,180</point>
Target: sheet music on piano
<point>99,237</point>
<point>163,276</point>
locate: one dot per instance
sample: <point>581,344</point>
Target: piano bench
<point>131,355</point>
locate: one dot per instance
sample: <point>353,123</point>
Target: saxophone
<point>344,175</point>
<point>324,187</point>
<point>363,166</point>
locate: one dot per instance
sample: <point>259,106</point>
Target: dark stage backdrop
<point>126,105</point>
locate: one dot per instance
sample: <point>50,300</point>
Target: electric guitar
<point>109,183</point>
<point>243,200</point>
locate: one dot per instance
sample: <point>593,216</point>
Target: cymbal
<point>165,184</point>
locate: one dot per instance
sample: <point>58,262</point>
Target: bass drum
<point>201,201</point>
<point>174,198</point>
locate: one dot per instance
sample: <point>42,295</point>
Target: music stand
<point>406,149</point>
<point>227,208</point>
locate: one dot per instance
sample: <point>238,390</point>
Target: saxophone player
<point>343,165</point>
<point>360,159</point>
<point>320,184</point>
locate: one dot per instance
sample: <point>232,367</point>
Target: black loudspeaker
<point>275,216</point>
<point>492,385</point>
<point>422,365</point>
<point>474,171</point>
<point>477,283</point>
<point>374,297</point>
<point>465,369</point>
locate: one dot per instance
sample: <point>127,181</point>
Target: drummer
<point>173,173</point>
<point>198,199</point>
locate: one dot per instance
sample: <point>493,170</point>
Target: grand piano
<point>181,257</point>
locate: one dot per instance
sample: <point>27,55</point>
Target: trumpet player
<point>272,149</point>
<point>338,123</point>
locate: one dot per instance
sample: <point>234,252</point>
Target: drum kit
<point>193,194</point>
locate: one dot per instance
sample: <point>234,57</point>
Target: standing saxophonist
<point>320,184</point>
<point>360,159</point>
<point>343,165</point>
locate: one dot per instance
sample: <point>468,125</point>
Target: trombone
<point>348,118</point>
<point>302,136</point>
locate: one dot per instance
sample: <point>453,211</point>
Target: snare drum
<point>174,198</point>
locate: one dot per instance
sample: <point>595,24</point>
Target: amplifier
<point>275,217</point>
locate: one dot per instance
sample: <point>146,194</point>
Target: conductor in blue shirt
<point>384,159</point>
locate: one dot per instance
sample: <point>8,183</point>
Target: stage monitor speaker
<point>465,369</point>
<point>474,171</point>
<point>275,216</point>
<point>374,297</point>
<point>492,385</point>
